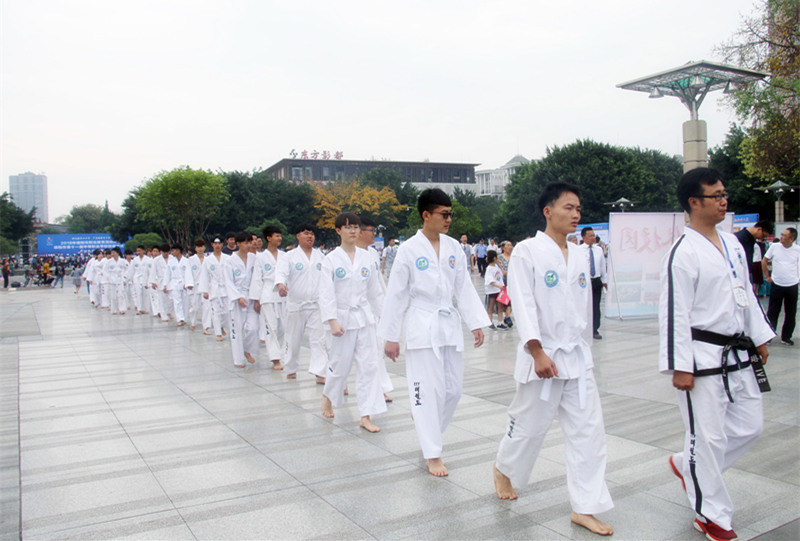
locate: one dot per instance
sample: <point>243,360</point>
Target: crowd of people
<point>713,332</point>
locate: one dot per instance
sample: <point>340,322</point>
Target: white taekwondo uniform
<point>90,275</point>
<point>152,291</point>
<point>386,381</point>
<point>350,292</point>
<point>157,282</point>
<point>102,277</point>
<point>699,287</point>
<point>552,301</point>
<point>198,305</point>
<point>115,275</point>
<point>420,297</point>
<point>301,275</point>
<point>262,289</point>
<point>178,279</point>
<point>243,320</point>
<point>137,277</point>
<point>212,281</point>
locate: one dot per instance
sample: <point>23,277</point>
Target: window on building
<point>326,173</point>
<point>309,175</point>
<point>339,172</point>
<point>297,173</point>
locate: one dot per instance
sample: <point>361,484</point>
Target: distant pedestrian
<point>6,273</point>
<point>785,259</point>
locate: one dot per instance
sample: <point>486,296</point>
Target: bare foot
<point>249,358</point>
<point>191,327</point>
<point>502,485</point>
<point>291,376</point>
<point>346,391</point>
<point>276,364</point>
<point>592,524</point>
<point>320,380</point>
<point>327,407</point>
<point>239,365</point>
<point>436,467</point>
<point>223,332</point>
<point>367,425</point>
<point>387,398</point>
<point>206,332</point>
<point>219,338</point>
<point>181,323</point>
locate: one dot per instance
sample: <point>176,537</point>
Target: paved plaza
<point>124,427</point>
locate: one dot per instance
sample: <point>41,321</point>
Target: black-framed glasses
<point>718,196</point>
<point>446,214</point>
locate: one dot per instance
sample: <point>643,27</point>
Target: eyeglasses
<point>718,196</point>
<point>447,215</point>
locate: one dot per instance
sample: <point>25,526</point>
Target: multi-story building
<point>493,182</point>
<point>29,190</point>
<point>422,175</point>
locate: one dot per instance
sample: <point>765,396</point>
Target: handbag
<point>503,298</point>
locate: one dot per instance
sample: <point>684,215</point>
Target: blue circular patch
<point>582,280</point>
<point>551,278</point>
<point>452,261</point>
<point>340,272</point>
<point>364,272</point>
<point>267,267</point>
<point>237,272</point>
<point>319,266</point>
<point>212,267</point>
<point>298,266</point>
<point>422,263</point>
<point>194,267</point>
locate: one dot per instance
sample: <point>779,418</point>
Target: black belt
<point>728,343</point>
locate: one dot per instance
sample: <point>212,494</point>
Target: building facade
<point>29,190</point>
<point>422,175</point>
<point>493,182</point>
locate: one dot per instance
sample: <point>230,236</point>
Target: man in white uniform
<point>366,238</point>
<point>136,276</point>
<point>238,272</point>
<point>214,288</point>
<point>297,279</point>
<point>350,295</point>
<point>90,274</point>
<point>157,281</point>
<point>597,271</point>
<point>114,270</point>
<point>267,303</point>
<point>710,323</point>
<point>105,299</point>
<point>199,306</point>
<point>150,276</point>
<point>785,259</point>
<point>178,281</point>
<point>548,282</point>
<point>429,273</point>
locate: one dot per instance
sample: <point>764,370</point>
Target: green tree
<point>487,209</point>
<point>148,240</point>
<point>8,246</point>
<point>405,192</point>
<point>465,221</point>
<point>603,172</point>
<point>182,202</point>
<point>768,40</point>
<point>15,223</point>
<point>87,218</point>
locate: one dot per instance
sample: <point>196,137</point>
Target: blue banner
<point>73,244</point>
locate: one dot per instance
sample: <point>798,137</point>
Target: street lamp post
<point>621,204</point>
<point>778,189</point>
<point>691,83</point>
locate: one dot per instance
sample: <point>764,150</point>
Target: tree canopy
<point>89,218</point>
<point>15,223</point>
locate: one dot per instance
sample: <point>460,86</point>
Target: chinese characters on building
<point>315,155</point>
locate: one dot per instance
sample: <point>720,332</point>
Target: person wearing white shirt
<point>114,270</point>
<point>160,256</point>
<point>238,272</point>
<point>350,295</point>
<point>198,304</point>
<point>712,331</point>
<point>597,270</point>
<point>388,255</point>
<point>90,274</point>
<point>428,294</point>
<point>177,282</point>
<point>136,276</point>
<point>548,282</point>
<point>297,279</point>
<point>105,300</point>
<point>492,286</point>
<point>785,259</point>
<point>268,304</point>
<point>214,289</point>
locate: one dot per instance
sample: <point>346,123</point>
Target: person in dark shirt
<point>748,237</point>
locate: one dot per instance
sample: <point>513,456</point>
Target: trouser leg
<point>251,327</point>
<point>774,308</point>
<point>341,361</point>
<point>789,312</point>
<point>585,443</point>
<point>427,393</point>
<point>295,323</point>
<point>113,299</point>
<point>122,298</point>
<point>178,297</point>
<point>237,318</point>
<point>597,293</point>
<point>205,310</point>
<point>368,383</point>
<point>529,419</point>
<point>317,340</point>
<point>269,320</point>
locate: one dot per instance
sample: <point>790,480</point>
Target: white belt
<point>436,313</point>
<point>548,383</point>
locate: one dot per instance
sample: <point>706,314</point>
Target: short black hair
<point>116,249</point>
<point>691,184</point>
<point>304,227</point>
<point>177,247</point>
<point>346,218</point>
<point>585,231</point>
<point>766,226</point>
<point>368,222</point>
<point>491,255</point>
<point>243,236</point>
<point>793,232</point>
<point>164,247</point>
<point>553,190</point>
<point>107,251</point>
<point>199,242</point>
<point>140,247</point>
<point>156,247</point>
<point>271,230</point>
<point>431,198</point>
<point>97,251</point>
<point>230,234</point>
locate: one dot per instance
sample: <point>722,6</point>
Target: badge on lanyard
<point>739,294</point>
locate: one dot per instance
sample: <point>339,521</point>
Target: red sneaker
<point>677,472</point>
<point>714,532</point>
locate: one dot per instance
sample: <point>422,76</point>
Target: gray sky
<point>101,95</point>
